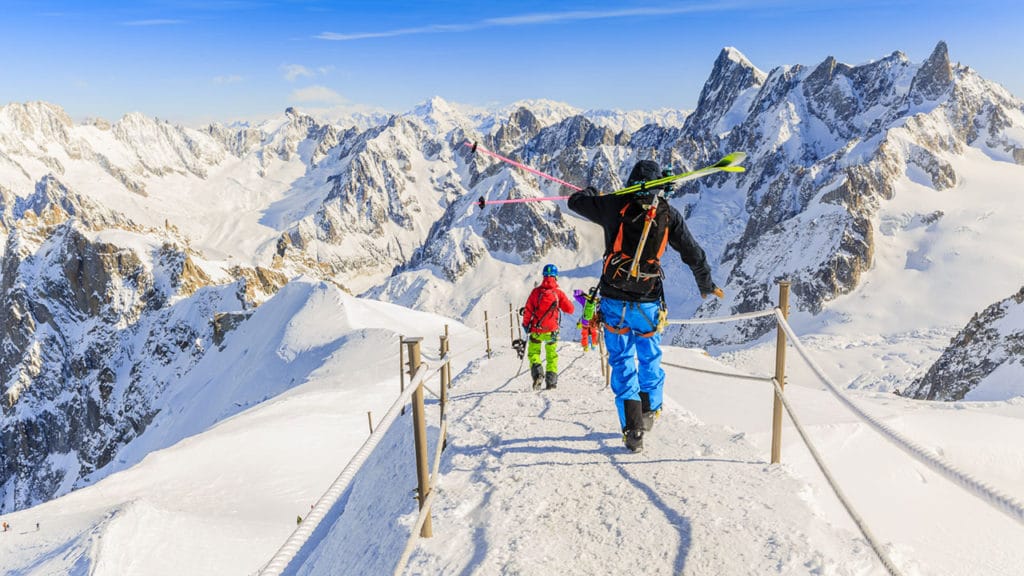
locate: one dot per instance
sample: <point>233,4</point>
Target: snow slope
<point>533,483</point>
<point>254,435</point>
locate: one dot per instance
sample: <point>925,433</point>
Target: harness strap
<point>622,328</point>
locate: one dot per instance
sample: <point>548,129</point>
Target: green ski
<point>730,163</point>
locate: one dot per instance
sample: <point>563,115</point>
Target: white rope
<point>716,320</point>
<point>1003,502</point>
<point>886,561</point>
<point>479,325</point>
<point>496,318</point>
<point>719,373</point>
<point>427,503</point>
<point>294,543</point>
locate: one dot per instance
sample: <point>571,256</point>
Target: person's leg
<point>533,350</point>
<point>621,356</point>
<point>650,375</point>
<point>651,378</point>
<point>533,355</point>
<point>551,353</point>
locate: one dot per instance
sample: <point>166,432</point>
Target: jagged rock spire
<point>731,75</point>
<point>934,77</point>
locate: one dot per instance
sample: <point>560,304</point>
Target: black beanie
<point>644,171</point>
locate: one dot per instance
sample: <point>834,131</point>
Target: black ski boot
<point>537,371</point>
<point>551,378</point>
<point>649,416</point>
<point>633,435</point>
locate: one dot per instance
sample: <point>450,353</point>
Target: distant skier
<point>541,319</point>
<point>588,321</point>
<point>637,227</point>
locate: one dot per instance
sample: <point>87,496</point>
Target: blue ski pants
<point>635,359</point>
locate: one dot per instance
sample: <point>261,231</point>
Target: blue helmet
<point>550,270</point>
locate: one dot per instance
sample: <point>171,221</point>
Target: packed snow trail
<point>540,483</point>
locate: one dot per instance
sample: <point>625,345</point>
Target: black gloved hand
<point>590,191</point>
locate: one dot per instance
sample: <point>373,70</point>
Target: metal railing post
<point>401,367</point>
<point>419,433</point>
<point>448,364</point>
<point>487,333</point>
<point>444,374</point>
<point>780,374</point>
<point>511,326</point>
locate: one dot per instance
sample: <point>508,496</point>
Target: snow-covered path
<point>540,483</point>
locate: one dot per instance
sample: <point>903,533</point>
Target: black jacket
<point>605,210</point>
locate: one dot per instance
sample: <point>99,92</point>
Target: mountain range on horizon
<point>134,248</point>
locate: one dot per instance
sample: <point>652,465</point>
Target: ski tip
<point>732,159</point>
<point>481,202</point>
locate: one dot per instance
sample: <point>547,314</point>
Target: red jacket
<point>541,314</point>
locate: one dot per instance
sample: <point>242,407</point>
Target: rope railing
<point>719,319</point>
<point>719,372</point>
<point>300,536</point>
<point>781,401</point>
<point>1003,502</point>
<point>856,517</point>
<point>303,531</point>
<point>414,536</point>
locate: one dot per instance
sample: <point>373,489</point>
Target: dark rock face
<point>91,336</point>
<point>991,339</point>
<point>934,78</point>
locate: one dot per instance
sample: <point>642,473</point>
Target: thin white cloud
<point>320,94</point>
<point>229,79</point>
<point>539,18</point>
<point>293,72</point>
<point>154,22</point>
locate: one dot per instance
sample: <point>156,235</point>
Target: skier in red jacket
<point>541,318</point>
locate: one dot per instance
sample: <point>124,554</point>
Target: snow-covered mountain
<point>983,361</point>
<point>131,247</point>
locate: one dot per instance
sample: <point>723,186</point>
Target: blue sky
<point>193,61</point>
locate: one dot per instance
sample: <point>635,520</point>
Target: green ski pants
<point>550,340</point>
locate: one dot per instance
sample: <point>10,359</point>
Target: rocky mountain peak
<point>53,202</point>
<point>935,76</point>
<point>34,124</point>
<point>520,127</point>
<point>731,76</point>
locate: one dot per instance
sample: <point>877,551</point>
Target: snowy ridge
<point>145,336</point>
<point>704,479</point>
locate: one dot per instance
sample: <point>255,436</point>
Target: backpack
<point>547,302</point>
<point>621,270</point>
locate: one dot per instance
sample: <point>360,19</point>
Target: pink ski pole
<point>482,202</point>
<point>474,147</point>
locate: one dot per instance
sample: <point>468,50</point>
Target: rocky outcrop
<point>994,338</point>
<point>98,317</point>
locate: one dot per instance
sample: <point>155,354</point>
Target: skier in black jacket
<point>637,228</point>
